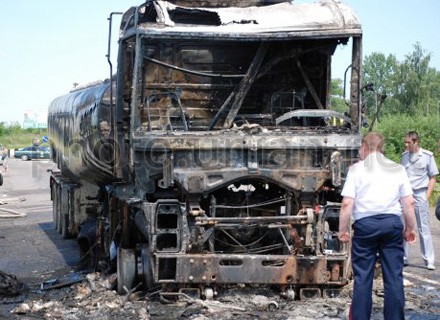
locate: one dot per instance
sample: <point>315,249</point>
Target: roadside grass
<point>15,139</point>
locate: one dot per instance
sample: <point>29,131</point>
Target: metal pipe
<point>110,19</point>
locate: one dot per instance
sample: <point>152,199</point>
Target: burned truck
<point>213,156</point>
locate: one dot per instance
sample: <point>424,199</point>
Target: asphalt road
<point>30,248</point>
<point>33,251</point>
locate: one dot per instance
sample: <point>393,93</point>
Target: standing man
<point>422,171</point>
<point>376,193</point>
<point>5,156</point>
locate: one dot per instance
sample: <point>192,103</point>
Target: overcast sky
<point>47,45</point>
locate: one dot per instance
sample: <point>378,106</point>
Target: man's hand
<point>344,218</point>
<point>344,236</point>
<point>410,235</point>
<point>410,221</point>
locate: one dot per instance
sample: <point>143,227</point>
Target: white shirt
<point>420,167</point>
<point>376,184</point>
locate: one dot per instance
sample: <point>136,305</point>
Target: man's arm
<point>410,220</point>
<point>431,185</point>
<point>344,218</point>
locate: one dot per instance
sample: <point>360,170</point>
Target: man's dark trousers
<point>383,235</point>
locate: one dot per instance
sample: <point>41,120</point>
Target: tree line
<point>411,87</point>
<point>398,96</point>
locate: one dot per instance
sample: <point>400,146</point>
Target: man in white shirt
<point>376,193</point>
<point>422,171</point>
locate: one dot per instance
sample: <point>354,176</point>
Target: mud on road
<point>46,264</point>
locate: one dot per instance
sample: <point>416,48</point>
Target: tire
<point>54,205</point>
<point>147,271</point>
<point>59,222</point>
<point>1,179</point>
<point>126,270</point>
<point>65,221</point>
<point>24,157</point>
<point>59,210</point>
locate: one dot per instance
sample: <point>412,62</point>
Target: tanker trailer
<point>216,158</point>
<point>79,127</point>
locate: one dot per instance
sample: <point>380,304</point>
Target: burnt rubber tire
<point>147,271</point>
<point>65,220</point>
<point>59,222</point>
<point>126,270</point>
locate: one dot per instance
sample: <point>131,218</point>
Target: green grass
<point>15,137</point>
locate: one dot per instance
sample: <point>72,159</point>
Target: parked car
<point>32,152</point>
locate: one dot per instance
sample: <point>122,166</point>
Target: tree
<point>411,86</point>
<point>381,72</point>
<point>338,103</point>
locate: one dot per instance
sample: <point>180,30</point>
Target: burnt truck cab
<point>227,159</point>
<point>233,142</point>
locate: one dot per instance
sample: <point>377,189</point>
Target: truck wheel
<point>57,208</point>
<point>65,220</point>
<point>147,271</point>
<point>59,221</point>
<point>54,206</point>
<point>126,270</point>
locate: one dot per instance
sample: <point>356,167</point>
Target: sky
<point>46,46</point>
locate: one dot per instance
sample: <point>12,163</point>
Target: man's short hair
<point>374,141</point>
<point>413,135</point>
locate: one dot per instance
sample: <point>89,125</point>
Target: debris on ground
<point>65,281</point>
<point>10,285</point>
<point>93,296</point>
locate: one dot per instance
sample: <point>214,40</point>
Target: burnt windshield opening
<point>213,85</point>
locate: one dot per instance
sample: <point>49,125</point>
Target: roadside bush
<point>394,129</point>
